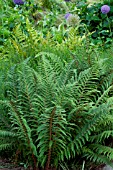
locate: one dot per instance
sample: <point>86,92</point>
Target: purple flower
<point>105,9</point>
<point>18,2</point>
<point>67,0</point>
<point>67,15</point>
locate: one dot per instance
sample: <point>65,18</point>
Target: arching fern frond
<point>54,112</point>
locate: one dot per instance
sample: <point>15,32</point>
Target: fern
<point>93,156</point>
<point>56,111</point>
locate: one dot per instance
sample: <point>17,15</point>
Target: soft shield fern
<point>55,112</point>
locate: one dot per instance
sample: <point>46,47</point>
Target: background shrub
<point>100,25</point>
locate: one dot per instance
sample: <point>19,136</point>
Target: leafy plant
<point>56,113</point>
<point>100,25</point>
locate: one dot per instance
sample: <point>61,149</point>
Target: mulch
<point>6,164</point>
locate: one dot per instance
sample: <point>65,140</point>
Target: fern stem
<point>35,162</point>
<point>16,156</point>
<point>50,138</point>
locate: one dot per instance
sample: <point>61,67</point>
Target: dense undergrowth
<point>56,79</point>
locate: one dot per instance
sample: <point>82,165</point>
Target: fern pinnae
<point>25,132</point>
<point>4,133</point>
<point>93,156</point>
<point>84,134</point>
<point>54,60</point>
<point>104,95</point>
<point>33,35</point>
<point>101,136</point>
<point>105,150</point>
<point>67,72</point>
<point>6,146</point>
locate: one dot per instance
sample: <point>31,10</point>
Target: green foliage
<point>100,25</point>
<point>27,44</point>
<point>56,103</point>
<point>56,113</point>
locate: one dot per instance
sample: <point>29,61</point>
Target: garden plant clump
<point>56,79</point>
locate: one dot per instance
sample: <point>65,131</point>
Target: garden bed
<point>6,164</point>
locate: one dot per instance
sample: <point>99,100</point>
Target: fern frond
<point>102,136</point>
<point>56,110</point>
<point>33,35</point>
<point>51,134</point>
<point>6,146</point>
<point>104,95</point>
<point>104,150</point>
<point>19,40</point>
<point>84,132</point>
<point>95,157</point>
<point>4,133</point>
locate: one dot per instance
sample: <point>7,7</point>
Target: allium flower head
<point>67,15</point>
<point>73,20</point>
<point>105,9</point>
<point>18,2</point>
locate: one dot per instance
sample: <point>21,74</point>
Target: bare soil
<point>6,164</point>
